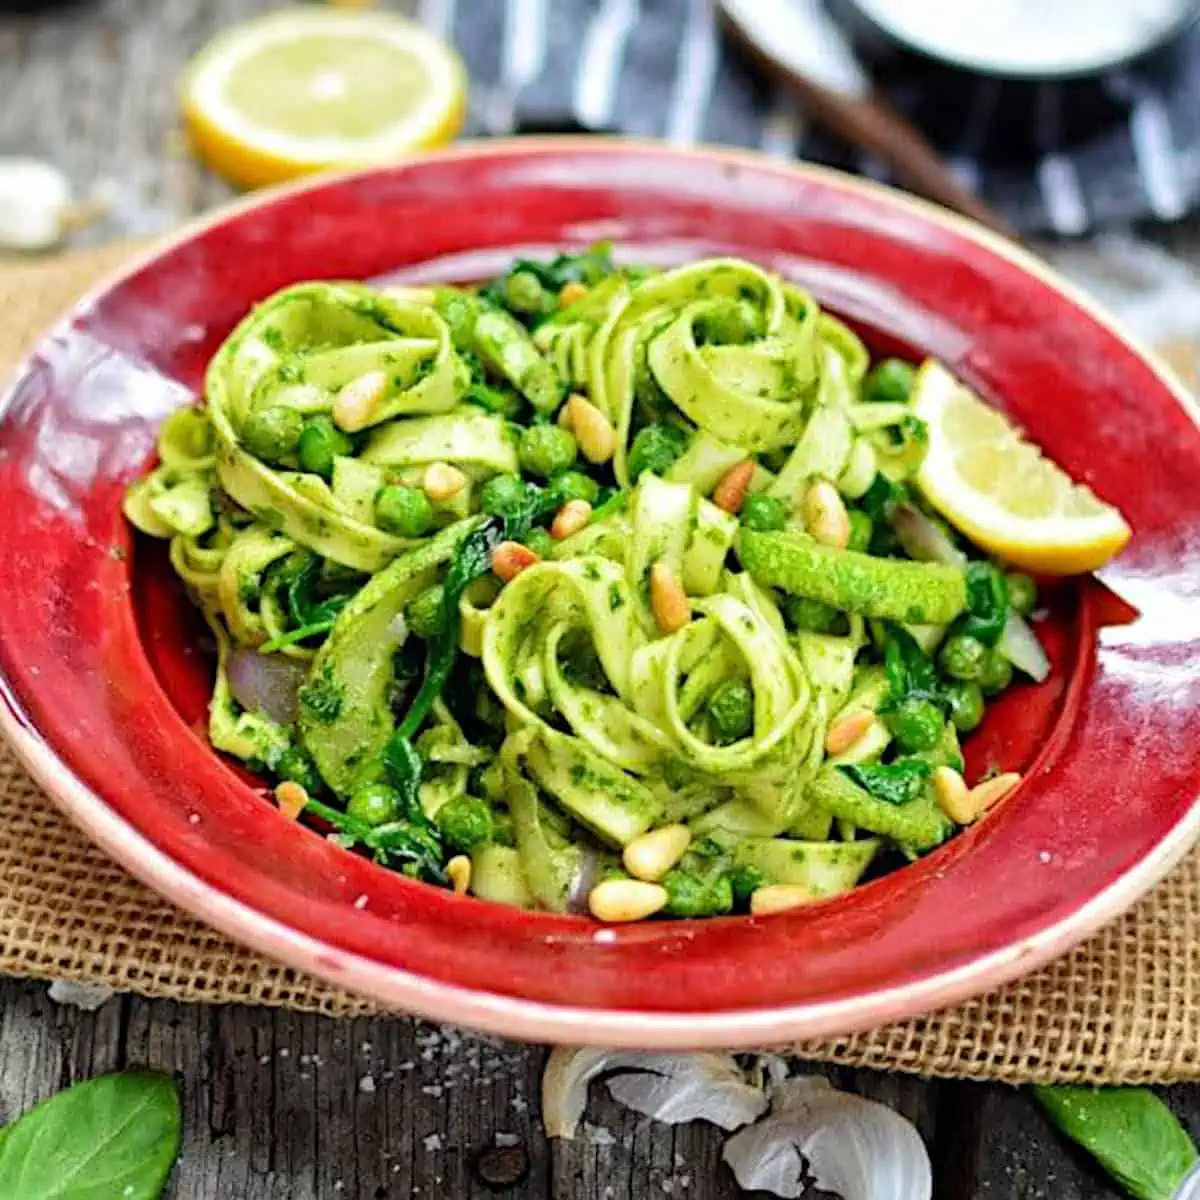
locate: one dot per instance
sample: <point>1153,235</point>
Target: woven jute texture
<point>1123,1008</point>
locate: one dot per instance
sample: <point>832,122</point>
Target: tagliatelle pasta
<point>726,684</point>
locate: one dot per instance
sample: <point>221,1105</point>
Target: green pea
<point>813,616</point>
<point>272,433</point>
<point>575,485</point>
<point>502,496</point>
<point>403,511</point>
<point>654,449</point>
<point>539,541</point>
<point>861,530</point>
<point>424,614</point>
<point>915,724</point>
<point>890,382</point>
<point>997,674</point>
<point>966,705</point>
<point>296,764</point>
<point>731,707</point>
<point>465,822</point>
<point>523,293</point>
<point>1022,594</point>
<point>546,450</point>
<point>762,513</point>
<point>374,804</point>
<point>321,441</point>
<point>963,657</point>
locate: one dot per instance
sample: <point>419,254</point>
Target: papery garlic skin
<point>672,1088</point>
<point>35,201</point>
<point>855,1147</point>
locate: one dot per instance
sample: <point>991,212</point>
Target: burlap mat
<point>1122,1009</point>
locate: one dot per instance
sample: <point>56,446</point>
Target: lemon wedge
<point>310,89</point>
<point>1001,491</point>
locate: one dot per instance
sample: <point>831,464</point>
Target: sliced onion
<point>922,539</point>
<point>266,683</point>
<point>1019,644</point>
<point>583,880</point>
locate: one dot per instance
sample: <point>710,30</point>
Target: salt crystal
<point>431,1089</point>
<point>285,1053</point>
<point>598,1135</point>
<point>518,1104</point>
<point>1044,856</point>
<point>507,1140</point>
<point>366,1085</point>
<point>432,1143</point>
<point>360,903</point>
<point>193,818</point>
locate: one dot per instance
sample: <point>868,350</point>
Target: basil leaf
<point>896,783</point>
<point>1132,1134</point>
<point>116,1136</point>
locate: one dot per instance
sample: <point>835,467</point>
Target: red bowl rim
<point>513,1017</point>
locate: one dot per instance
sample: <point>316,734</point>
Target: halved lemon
<point>1002,492</point>
<point>310,89</point>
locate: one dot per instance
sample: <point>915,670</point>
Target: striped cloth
<point>660,68</point>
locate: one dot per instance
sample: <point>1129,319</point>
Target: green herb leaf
<point>1129,1131</point>
<point>897,783</point>
<point>116,1136</point>
<point>910,671</point>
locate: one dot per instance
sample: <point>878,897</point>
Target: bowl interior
<point>101,657</point>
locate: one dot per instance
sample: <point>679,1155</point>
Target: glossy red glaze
<point>105,686</point>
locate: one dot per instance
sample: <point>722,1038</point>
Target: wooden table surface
<point>279,1105</point>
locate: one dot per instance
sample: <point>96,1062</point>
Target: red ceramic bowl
<point>104,684</point>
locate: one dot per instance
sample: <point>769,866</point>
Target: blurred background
<point>1075,126</point>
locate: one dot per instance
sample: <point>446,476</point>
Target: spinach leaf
<point>987,604</point>
<point>900,782</point>
<point>910,671</point>
<point>1129,1131</point>
<point>410,843</point>
<point>116,1136</point>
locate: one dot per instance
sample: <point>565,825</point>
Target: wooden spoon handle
<point>870,123</point>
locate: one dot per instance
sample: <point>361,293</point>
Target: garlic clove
<point>852,1146</point>
<point>35,204</point>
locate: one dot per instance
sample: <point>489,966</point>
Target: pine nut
<point>845,730</point>
<point>730,493</point>
<point>571,518</point>
<point>989,793</point>
<point>652,855</point>
<point>626,900</point>
<point>591,428</point>
<point>509,559</point>
<point>779,897</point>
<point>953,796</point>
<point>572,293</point>
<point>442,481</point>
<point>668,601</point>
<point>459,870</point>
<point>354,406</point>
<point>825,515</point>
<point>291,798</point>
